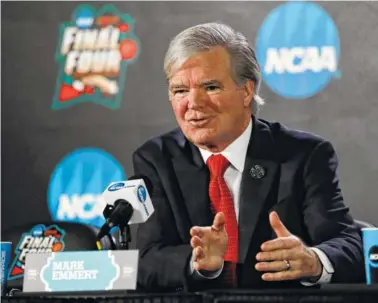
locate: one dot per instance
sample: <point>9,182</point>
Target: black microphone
<point>120,215</point>
<point>118,210</point>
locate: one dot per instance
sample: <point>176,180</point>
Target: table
<point>328,293</point>
<point>345,293</point>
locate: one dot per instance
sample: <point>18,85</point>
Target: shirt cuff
<point>327,272</point>
<point>203,273</point>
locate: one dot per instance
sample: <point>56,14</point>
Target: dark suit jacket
<point>300,183</point>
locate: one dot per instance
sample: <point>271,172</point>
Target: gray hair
<point>203,37</point>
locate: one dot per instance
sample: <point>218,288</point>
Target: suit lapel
<point>254,189</point>
<point>193,178</point>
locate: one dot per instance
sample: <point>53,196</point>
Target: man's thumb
<point>278,227</point>
<point>218,223</point>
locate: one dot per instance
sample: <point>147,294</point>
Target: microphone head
<point>108,210</point>
<point>122,213</point>
<point>124,195</point>
<point>146,180</point>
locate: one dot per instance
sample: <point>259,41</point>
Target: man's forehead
<point>212,64</point>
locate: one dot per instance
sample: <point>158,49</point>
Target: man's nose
<point>196,99</point>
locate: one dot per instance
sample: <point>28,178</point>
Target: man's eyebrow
<point>177,85</point>
<point>203,83</point>
<point>211,81</point>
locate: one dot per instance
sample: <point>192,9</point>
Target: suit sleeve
<point>163,258</point>
<point>328,221</point>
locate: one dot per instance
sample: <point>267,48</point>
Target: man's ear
<point>249,87</point>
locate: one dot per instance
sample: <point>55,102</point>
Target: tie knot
<point>217,165</point>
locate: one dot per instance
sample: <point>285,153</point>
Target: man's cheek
<point>180,111</point>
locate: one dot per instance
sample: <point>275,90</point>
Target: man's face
<point>210,108</point>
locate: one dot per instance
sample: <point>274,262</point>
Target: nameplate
<point>75,271</point>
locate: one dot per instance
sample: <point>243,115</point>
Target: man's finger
<point>277,255</point>
<point>196,231</point>
<point>282,275</point>
<point>198,254</point>
<point>274,266</point>
<point>218,223</point>
<point>278,227</point>
<point>280,243</point>
<point>195,242</point>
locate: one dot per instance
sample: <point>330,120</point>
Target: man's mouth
<point>199,122</point>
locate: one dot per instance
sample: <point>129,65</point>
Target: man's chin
<point>201,137</point>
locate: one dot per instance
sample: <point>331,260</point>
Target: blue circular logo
<point>116,186</point>
<point>298,49</point>
<point>84,16</point>
<point>142,194</point>
<point>77,183</point>
<point>37,230</point>
<point>373,255</point>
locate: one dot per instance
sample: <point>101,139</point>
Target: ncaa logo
<point>298,49</point>
<point>116,186</point>
<point>77,183</point>
<point>142,194</point>
<point>373,255</point>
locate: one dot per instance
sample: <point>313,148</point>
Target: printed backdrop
<point>83,87</point>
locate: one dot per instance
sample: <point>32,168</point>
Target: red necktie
<point>221,200</point>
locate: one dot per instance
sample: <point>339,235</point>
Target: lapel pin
<point>257,171</point>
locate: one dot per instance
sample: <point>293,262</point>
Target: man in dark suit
<point>239,201</point>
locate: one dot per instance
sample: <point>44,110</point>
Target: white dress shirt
<point>236,153</point>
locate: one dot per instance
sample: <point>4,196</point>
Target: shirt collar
<point>236,152</point>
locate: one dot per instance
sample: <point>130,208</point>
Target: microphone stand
<point>112,244</point>
<point>124,237</point>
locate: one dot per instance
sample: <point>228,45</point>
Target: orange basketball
<point>128,49</point>
<point>57,246</point>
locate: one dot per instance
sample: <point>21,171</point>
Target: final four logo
<point>40,239</point>
<point>93,52</point>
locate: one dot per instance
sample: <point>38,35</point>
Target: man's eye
<point>212,88</point>
<point>179,91</point>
